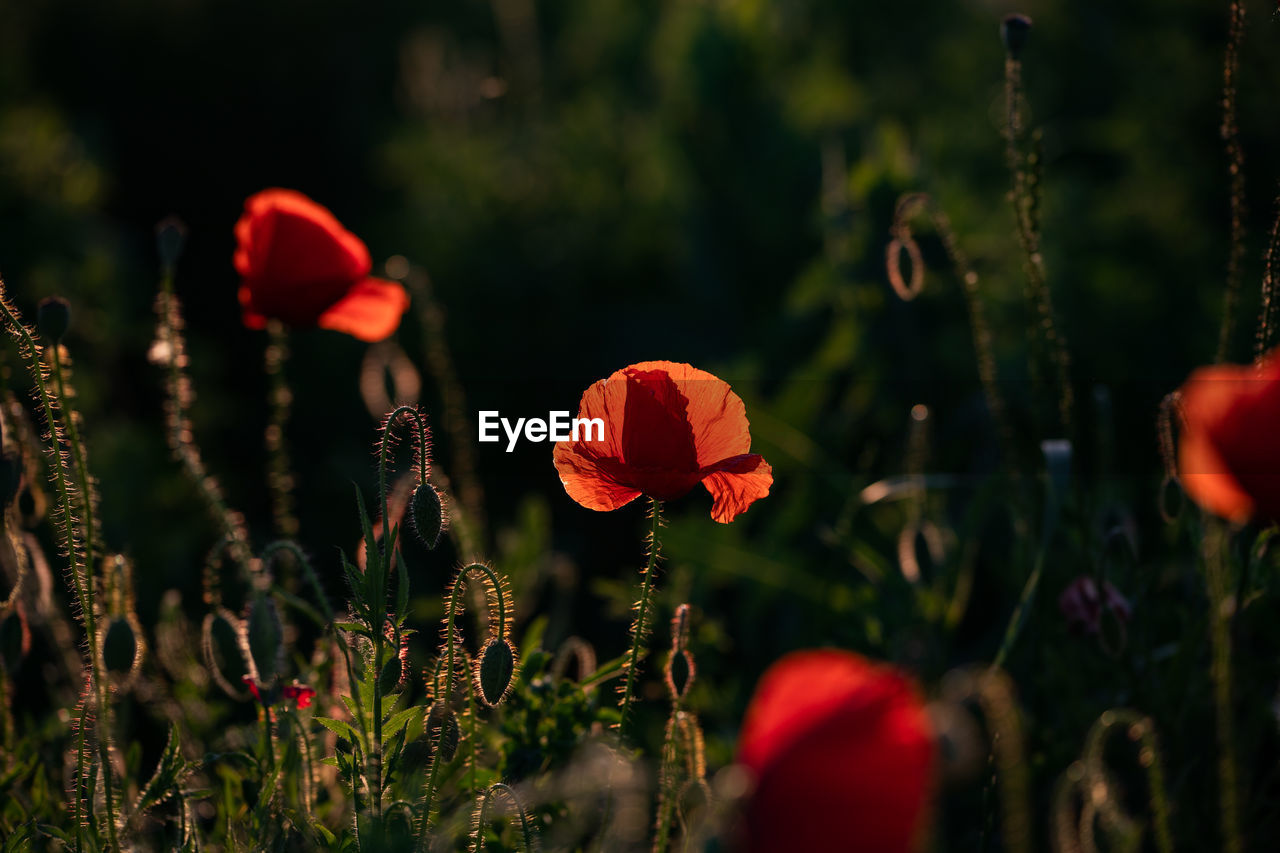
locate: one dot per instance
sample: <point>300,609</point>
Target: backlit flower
<point>842,755</point>
<point>1228,455</point>
<point>300,266</point>
<point>667,427</point>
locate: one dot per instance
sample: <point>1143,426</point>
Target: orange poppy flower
<point>1228,456</point>
<point>667,427</point>
<point>300,266</point>
<point>842,755</point>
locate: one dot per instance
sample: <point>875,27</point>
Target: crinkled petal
<point>717,417</point>
<point>736,483</point>
<point>588,480</point>
<point>655,428</point>
<point>370,310</point>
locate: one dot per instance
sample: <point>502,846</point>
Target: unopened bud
<point>171,237</point>
<point>1015,31</point>
<point>53,318</point>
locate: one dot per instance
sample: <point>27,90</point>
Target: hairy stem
<point>280,471</point>
<point>640,627</point>
<point>1221,606</point>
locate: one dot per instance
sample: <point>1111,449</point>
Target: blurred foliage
<point>592,183</point>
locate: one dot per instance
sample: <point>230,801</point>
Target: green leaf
<point>400,720</point>
<point>340,728</point>
<point>171,770</point>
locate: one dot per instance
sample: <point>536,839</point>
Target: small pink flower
<point>1082,604</point>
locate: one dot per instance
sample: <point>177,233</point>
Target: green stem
<point>82,579</point>
<point>640,627</point>
<point>86,508</point>
<point>1220,605</point>
<point>280,471</point>
<point>1025,216</point>
<point>180,440</point>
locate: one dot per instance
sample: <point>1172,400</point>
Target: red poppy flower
<point>1228,456</point>
<point>300,266</point>
<point>301,694</point>
<point>842,754</point>
<point>667,427</point>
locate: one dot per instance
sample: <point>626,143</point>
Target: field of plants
<point>711,425</point>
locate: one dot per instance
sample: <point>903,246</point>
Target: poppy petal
<point>736,483</point>
<point>587,479</point>
<point>370,310</point>
<point>843,741</point>
<point>717,417</point>
<point>655,427</point>
<point>1228,461</point>
<point>295,257</point>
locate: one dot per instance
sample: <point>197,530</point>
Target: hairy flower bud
<point>53,318</point>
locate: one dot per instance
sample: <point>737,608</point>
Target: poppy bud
<point>442,726</point>
<point>392,675</point>
<point>1015,31</point>
<point>265,638</point>
<point>171,238</point>
<point>119,647</point>
<point>495,670</point>
<point>53,317</point>
<point>428,515</point>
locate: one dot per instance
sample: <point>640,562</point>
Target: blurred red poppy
<point>300,266</point>
<point>301,694</point>
<point>842,755</point>
<point>667,427</point>
<point>1228,456</point>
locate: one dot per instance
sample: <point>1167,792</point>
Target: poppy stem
<point>1024,197</point>
<point>1221,608</point>
<point>79,547</point>
<point>280,398</point>
<point>170,352</point>
<point>640,627</point>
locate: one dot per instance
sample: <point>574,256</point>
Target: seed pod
<point>428,515</point>
<point>264,636</point>
<point>53,318</point>
<point>119,647</point>
<point>495,668</point>
<point>1015,31</point>
<point>442,727</point>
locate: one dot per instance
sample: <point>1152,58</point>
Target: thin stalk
<point>90,539</point>
<point>180,441</point>
<point>1235,170</point>
<point>280,471</point>
<point>1220,611</point>
<point>1025,212</point>
<point>82,577</point>
<point>640,627</point>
